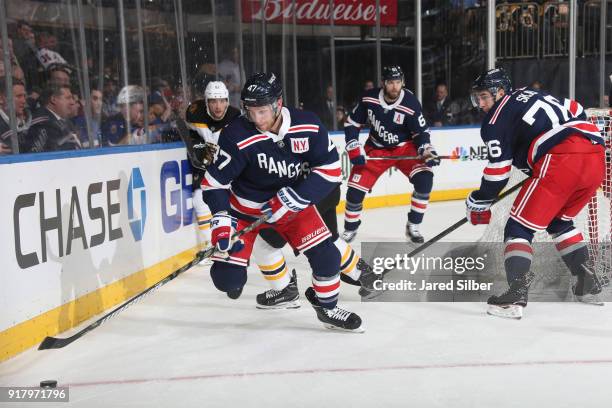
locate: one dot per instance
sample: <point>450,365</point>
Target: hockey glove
<point>222,227</point>
<point>429,155</point>
<point>356,153</point>
<point>478,211</point>
<point>284,206</point>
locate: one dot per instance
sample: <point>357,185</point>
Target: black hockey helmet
<point>391,72</point>
<point>491,81</point>
<point>261,89</point>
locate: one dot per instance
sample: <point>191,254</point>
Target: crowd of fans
<point>51,114</point>
<point>49,105</point>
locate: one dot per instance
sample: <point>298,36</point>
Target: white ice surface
<point>188,345</point>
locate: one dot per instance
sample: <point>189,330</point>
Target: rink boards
<point>86,230</point>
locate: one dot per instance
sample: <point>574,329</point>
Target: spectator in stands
<point>59,74</point>
<point>441,111</point>
<point>229,73</point>
<point>25,50</point>
<point>51,129</point>
<point>537,85</point>
<point>160,112</point>
<point>325,110</point>
<point>17,72</point>
<point>126,127</point>
<point>368,84</point>
<point>47,51</point>
<point>95,120</point>
<point>341,117</point>
<point>22,115</point>
<point>109,96</point>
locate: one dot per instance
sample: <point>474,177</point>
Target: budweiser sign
<point>345,12</point>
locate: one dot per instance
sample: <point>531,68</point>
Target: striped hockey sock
<point>418,206</point>
<point>274,269</point>
<point>326,288</point>
<point>573,250</point>
<point>352,213</point>
<point>517,258</point>
<point>348,262</point>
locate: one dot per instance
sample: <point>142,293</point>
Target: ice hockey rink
<point>187,345</point>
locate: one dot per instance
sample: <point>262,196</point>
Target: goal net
<point>553,280</point>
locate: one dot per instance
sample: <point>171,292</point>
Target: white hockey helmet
<point>130,94</point>
<point>215,90</point>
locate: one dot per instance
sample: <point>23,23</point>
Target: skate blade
<point>590,300</point>
<point>508,312</point>
<point>295,304</point>
<point>367,295</point>
<point>359,329</point>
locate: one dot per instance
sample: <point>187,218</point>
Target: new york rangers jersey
<point>252,166</point>
<point>391,125</point>
<point>522,127</point>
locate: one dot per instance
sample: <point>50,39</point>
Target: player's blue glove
<point>356,153</point>
<point>429,154</point>
<point>222,227</point>
<point>284,206</point>
<point>478,211</point>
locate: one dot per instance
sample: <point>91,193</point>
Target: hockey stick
<point>471,157</point>
<point>55,342</point>
<point>462,221</point>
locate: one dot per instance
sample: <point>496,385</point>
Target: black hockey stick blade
<point>462,221</point>
<point>50,342</point>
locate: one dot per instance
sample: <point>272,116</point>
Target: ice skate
<point>588,288</point>
<point>511,303</point>
<point>336,318</point>
<point>413,234</point>
<point>287,298</point>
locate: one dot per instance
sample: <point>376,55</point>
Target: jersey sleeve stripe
<point>333,176</point>
<point>210,183</point>
<point>500,177</point>
<point>371,100</point>
<point>497,171</point>
<point>303,128</point>
<point>251,140</point>
<point>498,110</point>
<point>351,122</point>
<point>405,109</point>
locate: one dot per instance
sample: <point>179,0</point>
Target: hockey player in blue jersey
<point>563,154</point>
<point>258,170</point>
<point>397,128</point>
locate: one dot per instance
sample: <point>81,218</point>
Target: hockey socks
<point>353,208</point>
<point>575,254</point>
<point>418,206</point>
<point>517,258</point>
<point>348,261</point>
<point>274,270</point>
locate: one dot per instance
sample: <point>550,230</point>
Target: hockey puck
<point>48,384</point>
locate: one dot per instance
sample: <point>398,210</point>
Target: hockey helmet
<point>392,72</point>
<point>261,89</point>
<point>130,94</point>
<point>491,81</point>
<point>215,90</point>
